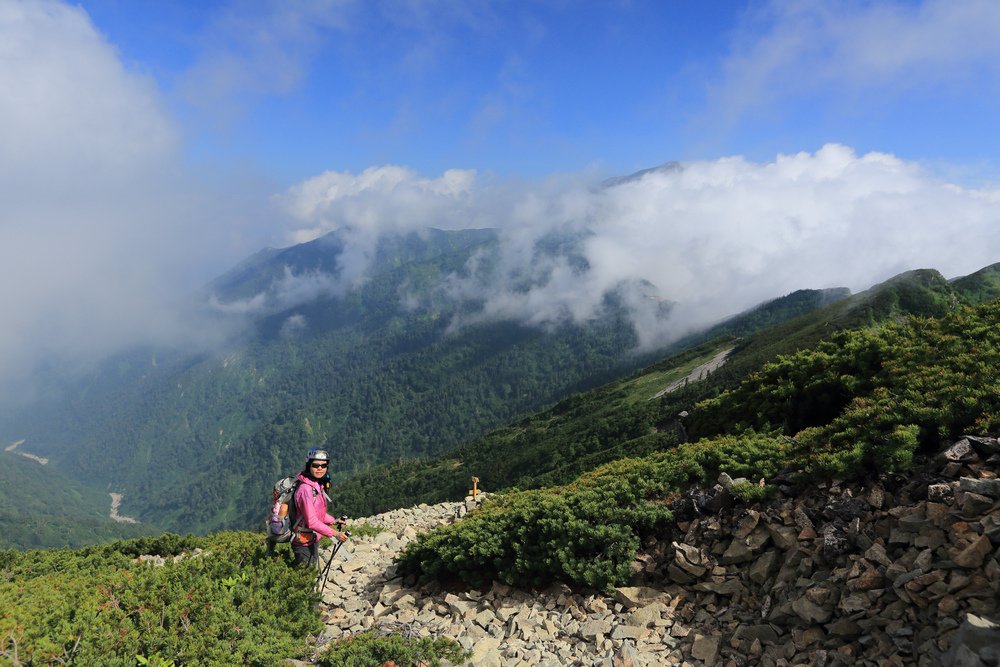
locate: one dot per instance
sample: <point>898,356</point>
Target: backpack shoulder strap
<point>294,506</point>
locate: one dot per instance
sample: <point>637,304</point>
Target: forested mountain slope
<point>42,507</point>
<point>980,287</point>
<point>623,418</point>
<point>373,370</point>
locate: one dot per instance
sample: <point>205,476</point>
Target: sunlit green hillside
<point>627,418</point>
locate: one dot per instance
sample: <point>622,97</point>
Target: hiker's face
<point>318,468</point>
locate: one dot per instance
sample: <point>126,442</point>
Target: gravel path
<point>698,373</point>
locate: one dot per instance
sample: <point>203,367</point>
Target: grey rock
<point>784,537</point>
<point>985,447</point>
<point>626,632</point>
<point>974,504</point>
<point>591,629</point>
<point>485,619</point>
<point>705,648</point>
<point>960,452</point>
<point>984,487</point>
<point>747,523</point>
<point>762,567</point>
<point>404,602</point>
<point>764,633</point>
<point>991,528</point>
<point>877,554</point>
<point>727,587</point>
<point>810,612</point>
<point>835,544</point>
<point>737,552</point>
<point>975,554</point>
<point>923,560</point>
<point>486,653</point>
<point>637,596</point>
<point>679,576</point>
<point>758,538</point>
<point>977,633</point>
<point>855,602</point>
<point>876,497</point>
<point>458,606</point>
<point>962,656</point>
<point>939,492</point>
<point>844,627</point>
<point>627,656</point>
<point>689,559</point>
<point>725,481</point>
<point>355,605</point>
<point>646,616</point>
<point>952,470</point>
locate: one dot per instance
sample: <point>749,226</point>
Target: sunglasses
<point>318,465</point>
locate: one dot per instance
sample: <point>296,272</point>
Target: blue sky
<point>147,146</point>
<point>532,88</point>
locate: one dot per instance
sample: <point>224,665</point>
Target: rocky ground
<point>902,571</point>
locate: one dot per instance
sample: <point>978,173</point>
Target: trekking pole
<point>325,574</point>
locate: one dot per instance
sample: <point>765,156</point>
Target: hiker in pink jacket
<point>313,521</point>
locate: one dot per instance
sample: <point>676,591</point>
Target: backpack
<point>283,519</point>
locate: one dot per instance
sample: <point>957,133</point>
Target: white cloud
<point>98,225</point>
<point>286,292</point>
<point>880,48</point>
<point>378,200</point>
<point>714,237</point>
<point>51,111</point>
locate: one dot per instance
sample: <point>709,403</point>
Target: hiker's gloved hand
<point>340,536</point>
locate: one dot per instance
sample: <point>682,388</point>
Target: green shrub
<point>869,399</point>
<point>587,532</point>
<point>364,529</point>
<point>370,650</point>
<point>231,604</point>
<point>749,492</point>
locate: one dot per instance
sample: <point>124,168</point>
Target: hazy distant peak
<point>665,168</point>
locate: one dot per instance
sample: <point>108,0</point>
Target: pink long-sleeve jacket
<point>310,503</point>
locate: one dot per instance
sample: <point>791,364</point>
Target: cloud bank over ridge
<point>713,236</point>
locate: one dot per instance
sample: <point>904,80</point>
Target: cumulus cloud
<point>99,225</point>
<point>379,200</point>
<point>710,237</point>
<point>883,48</point>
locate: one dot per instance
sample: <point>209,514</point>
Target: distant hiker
<point>312,519</point>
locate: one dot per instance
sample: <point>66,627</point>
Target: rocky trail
<point>904,570</point>
<point>34,457</point>
<point>116,503</point>
<point>696,374</point>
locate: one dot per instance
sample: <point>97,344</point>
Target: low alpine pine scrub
<point>863,403</point>
<point>100,606</point>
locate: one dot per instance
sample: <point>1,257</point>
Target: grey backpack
<point>283,519</point>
